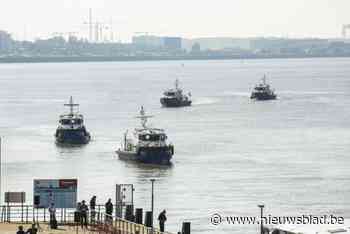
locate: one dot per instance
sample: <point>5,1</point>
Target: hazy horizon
<point>236,18</point>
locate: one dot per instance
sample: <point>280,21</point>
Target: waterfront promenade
<point>123,227</point>
<point>14,216</point>
<point>11,228</point>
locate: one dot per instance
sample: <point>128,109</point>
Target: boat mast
<point>264,79</point>
<point>71,105</point>
<point>177,84</point>
<point>143,117</point>
<point>125,136</point>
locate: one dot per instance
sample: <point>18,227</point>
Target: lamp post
<point>261,218</point>
<point>152,206</point>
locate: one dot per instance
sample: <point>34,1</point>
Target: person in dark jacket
<point>109,210</point>
<point>83,214</point>
<point>92,209</point>
<point>53,221</point>
<point>162,219</point>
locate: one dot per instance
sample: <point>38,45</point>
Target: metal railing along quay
<point>29,213</point>
<point>99,222</point>
<point>111,225</point>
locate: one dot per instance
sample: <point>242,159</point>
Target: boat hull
<point>174,102</point>
<point>149,155</point>
<point>72,136</point>
<point>263,96</point>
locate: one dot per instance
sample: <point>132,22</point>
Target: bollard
<point>138,215</point>
<point>148,219</point>
<point>186,228</point>
<point>129,213</point>
<point>76,217</point>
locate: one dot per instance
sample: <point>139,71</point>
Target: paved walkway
<point>12,228</point>
<point>6,228</point>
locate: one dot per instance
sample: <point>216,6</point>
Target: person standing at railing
<point>77,216</point>
<point>92,209</point>
<point>83,214</point>
<point>162,219</point>
<point>53,221</point>
<point>109,210</point>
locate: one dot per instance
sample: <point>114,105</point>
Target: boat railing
<point>69,116</point>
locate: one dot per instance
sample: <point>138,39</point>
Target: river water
<point>231,153</point>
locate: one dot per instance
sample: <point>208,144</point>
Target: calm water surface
<point>231,153</point>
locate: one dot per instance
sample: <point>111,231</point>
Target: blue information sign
<point>60,193</point>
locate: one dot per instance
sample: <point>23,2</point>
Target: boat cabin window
<point>170,93</point>
<point>152,137</point>
<point>71,121</point>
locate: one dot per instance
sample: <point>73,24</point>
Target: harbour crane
<point>97,30</point>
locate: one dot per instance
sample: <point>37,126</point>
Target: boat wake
<point>237,94</point>
<point>204,101</point>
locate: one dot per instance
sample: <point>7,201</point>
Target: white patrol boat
<point>146,145</point>
<point>175,97</point>
<point>71,129</point>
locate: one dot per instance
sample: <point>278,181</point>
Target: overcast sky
<point>186,18</point>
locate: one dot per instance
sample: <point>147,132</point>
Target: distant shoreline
<point>67,59</point>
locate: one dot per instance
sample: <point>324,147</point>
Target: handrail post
<point>61,215</point>
<point>99,210</point>
<point>8,213</point>
<point>27,208</point>
<point>22,212</point>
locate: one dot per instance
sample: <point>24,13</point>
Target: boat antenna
<point>177,83</point>
<point>143,117</point>
<point>71,105</point>
<point>125,139</point>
